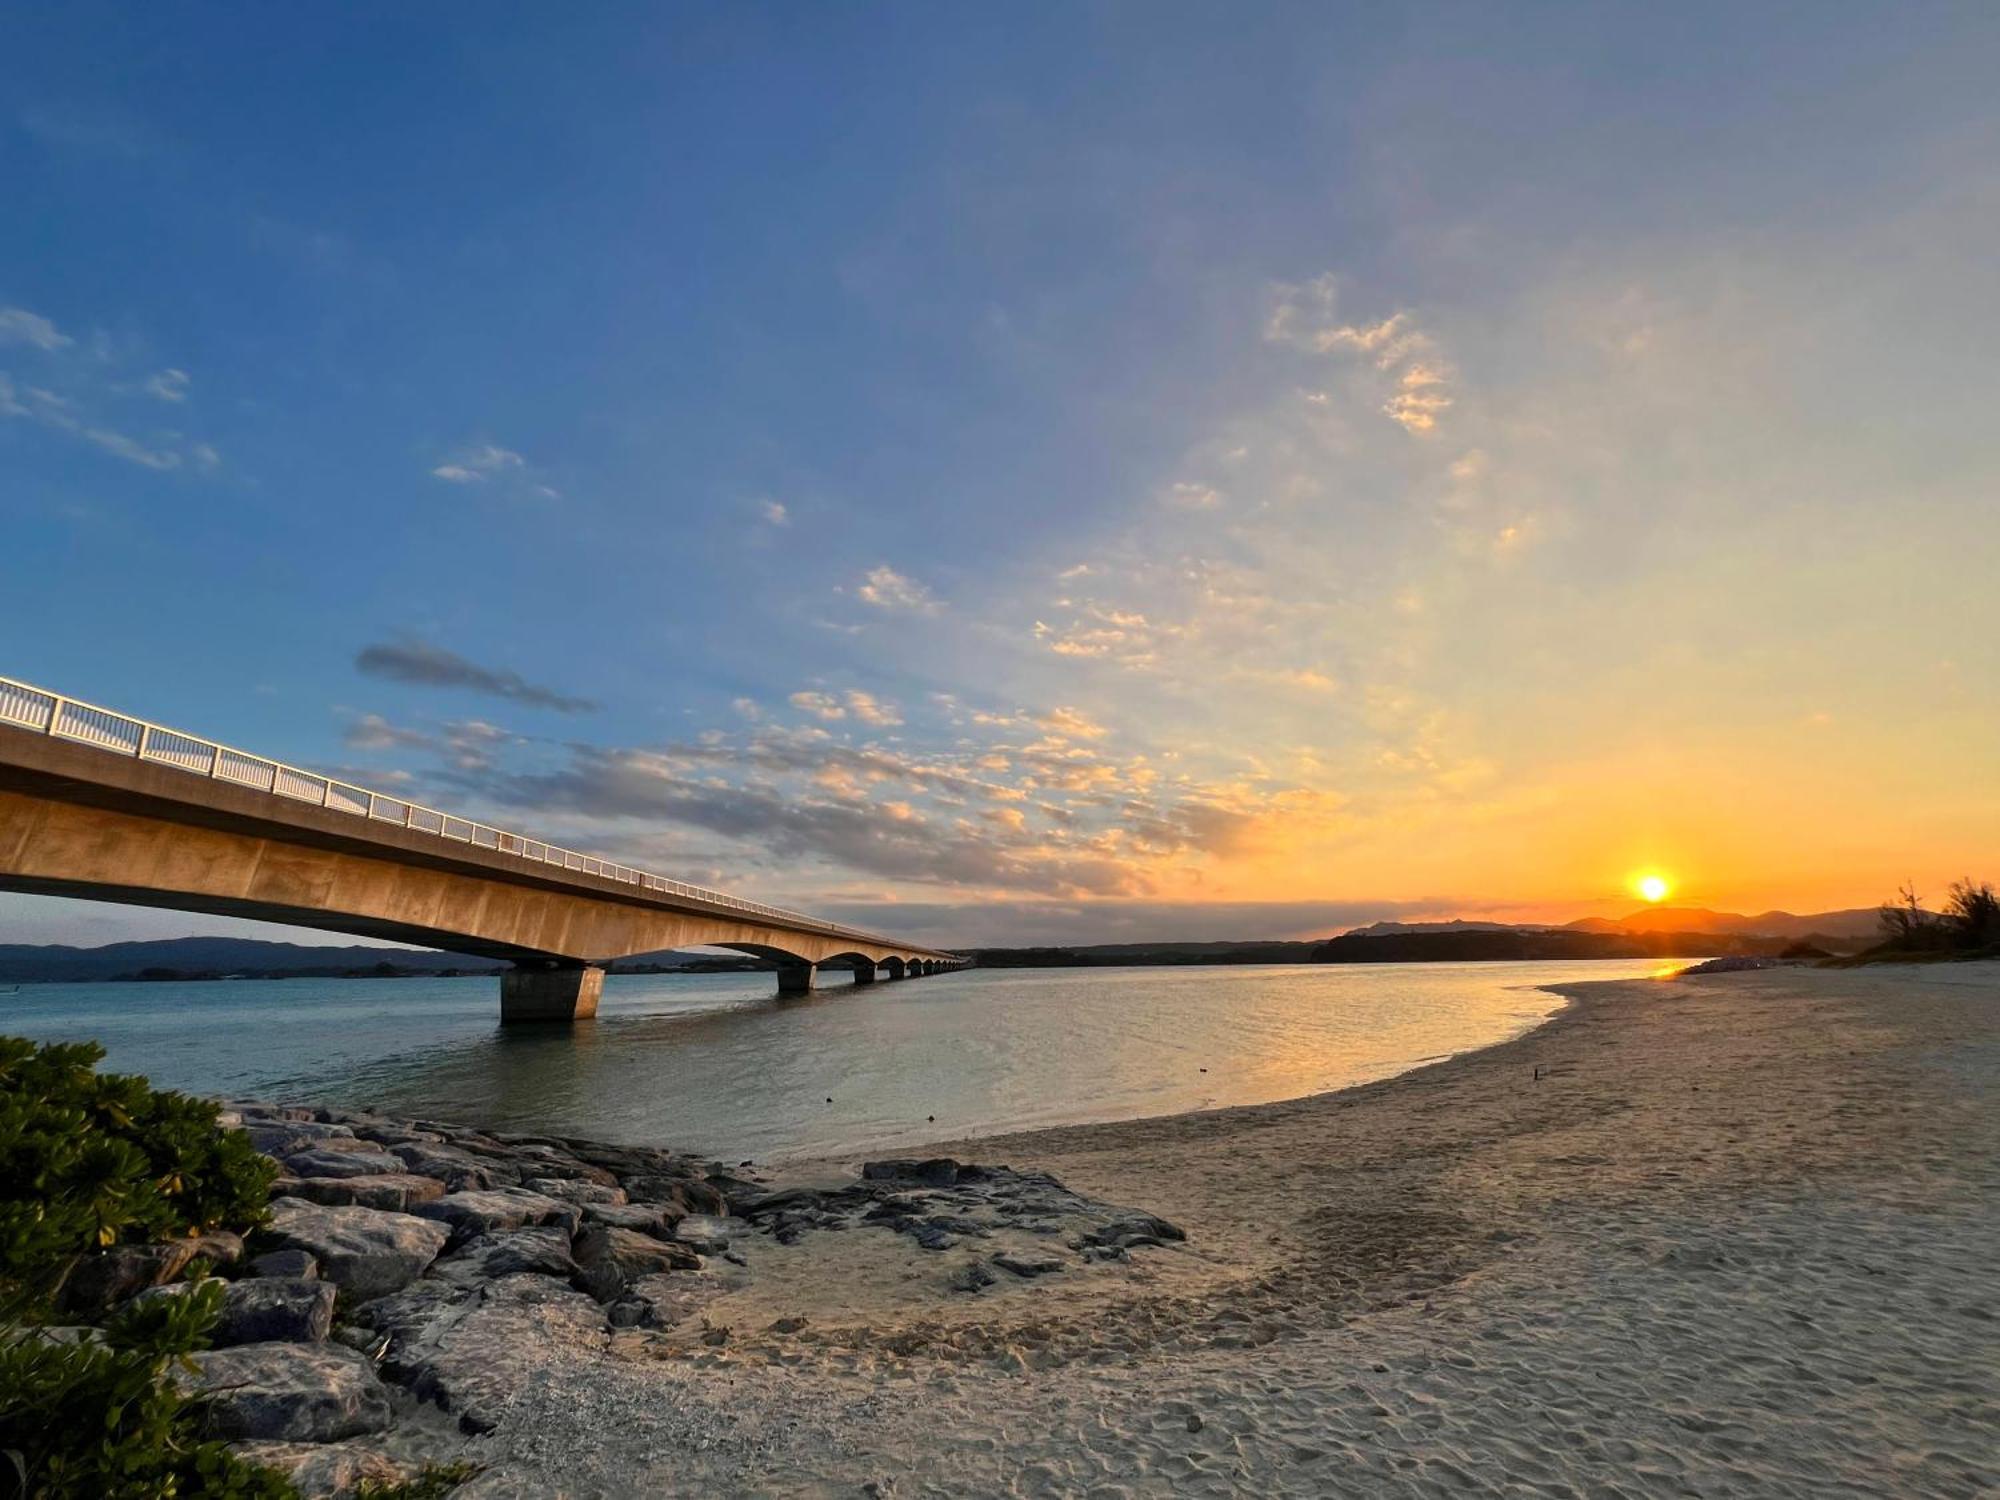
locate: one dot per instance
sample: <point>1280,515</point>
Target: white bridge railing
<point>67,718</point>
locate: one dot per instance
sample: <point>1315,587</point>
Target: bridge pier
<point>795,979</point>
<point>865,974</point>
<point>553,994</point>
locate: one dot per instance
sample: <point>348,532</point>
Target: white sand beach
<point>1734,1235</point>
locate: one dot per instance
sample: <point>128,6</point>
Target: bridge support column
<point>558,994</point>
<point>795,979</point>
<point>865,975</point>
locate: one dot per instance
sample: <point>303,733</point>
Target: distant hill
<point>34,963</point>
<point>1393,929</point>
<point>1535,943</point>
<point>1858,924</point>
<point>254,958</point>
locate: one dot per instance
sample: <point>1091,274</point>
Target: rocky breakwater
<point>412,1268</point>
<point>416,1277</point>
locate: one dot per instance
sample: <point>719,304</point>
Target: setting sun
<point>1652,887</point>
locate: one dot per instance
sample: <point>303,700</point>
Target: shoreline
<point>1727,1234</point>
<point>1721,1234</point>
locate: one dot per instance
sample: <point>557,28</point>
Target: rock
<point>509,1252</point>
<point>930,1237</point>
<point>577,1190</point>
<point>293,1263</point>
<point>1027,1263</point>
<point>365,1251</point>
<point>1132,1228</point>
<point>542,1159</point>
<point>678,1195</point>
<point>508,1483</point>
<point>305,1393</point>
<point>219,1247</point>
<point>396,1191</point>
<point>671,1299</point>
<point>266,1309</point>
<point>613,1259</point>
<point>475,1213</point>
<point>970,1277</point>
<point>391,1133</point>
<point>703,1232</point>
<point>939,1171</point>
<point>326,1471</point>
<point>459,1171</point>
<point>370,1163</point>
<point>627,1313</point>
<point>470,1352</point>
<point>105,1278</point>
<point>277,1137</point>
<point>646,1218</point>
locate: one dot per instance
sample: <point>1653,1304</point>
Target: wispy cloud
<point>774,514</point>
<point>478,464</point>
<point>167,385</point>
<point>34,404</point>
<point>75,382</point>
<point>885,588</point>
<point>864,707</point>
<point>19,326</point>
<point>418,661</point>
<point>1306,316</point>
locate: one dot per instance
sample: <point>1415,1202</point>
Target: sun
<point>1652,887</point>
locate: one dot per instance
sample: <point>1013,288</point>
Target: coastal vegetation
<point>105,1181</point>
<point>1967,927</point>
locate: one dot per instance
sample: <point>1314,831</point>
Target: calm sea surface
<point>714,1063</point>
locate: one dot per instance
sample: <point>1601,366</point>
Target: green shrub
<point>106,1422</point>
<point>90,1159</point>
<point>433,1483</point>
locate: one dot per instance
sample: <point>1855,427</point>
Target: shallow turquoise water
<point>715,1063</point>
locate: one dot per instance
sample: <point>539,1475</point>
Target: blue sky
<point>1048,468</point>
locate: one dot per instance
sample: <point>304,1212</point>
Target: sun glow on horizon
<point>1653,887</point>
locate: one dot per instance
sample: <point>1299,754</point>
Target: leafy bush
<point>1973,912</point>
<point>106,1422</point>
<point>91,1159</point>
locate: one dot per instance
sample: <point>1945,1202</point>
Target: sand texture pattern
<point>1734,1235</point>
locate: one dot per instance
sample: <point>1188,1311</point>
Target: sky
<point>1034,473</point>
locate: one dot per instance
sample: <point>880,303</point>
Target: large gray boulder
<point>612,1259</point>
<point>279,1137</point>
<point>397,1191</point>
<point>296,1393</point>
<point>105,1278</point>
<point>459,1171</point>
<point>542,1251</point>
<point>469,1349</point>
<point>647,1218</point>
<point>577,1190</point>
<point>368,1163</point>
<point>267,1309</point>
<point>366,1252</point>
<point>475,1213</point>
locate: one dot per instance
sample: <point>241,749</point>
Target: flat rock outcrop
<point>310,1393</point>
<point>367,1252</point>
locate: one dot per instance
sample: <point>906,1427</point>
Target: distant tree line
<point>1968,927</point>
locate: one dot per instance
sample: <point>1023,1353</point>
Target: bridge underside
<point>557,930</point>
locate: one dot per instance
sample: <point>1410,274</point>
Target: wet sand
<point>1735,1235</point>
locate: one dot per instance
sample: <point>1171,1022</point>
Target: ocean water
<point>715,1063</point>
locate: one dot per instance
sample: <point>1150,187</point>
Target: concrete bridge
<point>103,806</point>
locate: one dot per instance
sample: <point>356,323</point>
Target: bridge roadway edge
<point>77,821</point>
